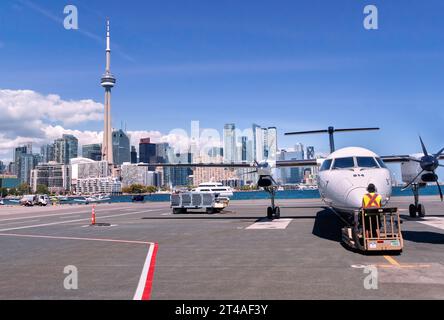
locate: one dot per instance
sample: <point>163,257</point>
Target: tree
<point>134,188</point>
<point>13,191</point>
<point>3,192</point>
<point>150,189</point>
<point>42,189</point>
<point>24,188</point>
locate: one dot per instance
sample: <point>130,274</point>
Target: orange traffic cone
<point>93,215</point>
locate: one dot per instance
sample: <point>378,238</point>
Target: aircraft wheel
<point>277,213</point>
<point>412,211</point>
<point>270,213</point>
<point>421,211</point>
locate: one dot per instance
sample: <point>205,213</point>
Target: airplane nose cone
<point>355,196</point>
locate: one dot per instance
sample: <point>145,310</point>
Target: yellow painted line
<point>404,266</point>
<point>392,261</point>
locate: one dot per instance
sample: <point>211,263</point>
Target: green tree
<point>24,188</point>
<point>3,192</point>
<point>134,188</point>
<point>13,192</point>
<point>42,189</point>
<point>150,189</point>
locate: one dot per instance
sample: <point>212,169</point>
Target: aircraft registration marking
<point>266,224</point>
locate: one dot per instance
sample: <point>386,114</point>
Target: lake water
<point>288,194</point>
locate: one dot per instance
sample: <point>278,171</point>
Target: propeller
<point>428,163</point>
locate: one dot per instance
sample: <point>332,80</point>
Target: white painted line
<point>74,238</point>
<point>76,220</point>
<point>56,214</point>
<point>270,224</point>
<point>76,216</point>
<point>18,222</point>
<point>436,222</point>
<point>143,291</point>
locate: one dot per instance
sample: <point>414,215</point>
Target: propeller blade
<point>249,172</point>
<point>439,153</point>
<point>423,147</point>
<point>410,183</point>
<point>440,191</point>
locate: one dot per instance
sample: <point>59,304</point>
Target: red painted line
<point>149,279</point>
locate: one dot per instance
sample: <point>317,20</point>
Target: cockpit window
<point>343,163</point>
<point>326,165</point>
<point>366,162</point>
<point>381,163</point>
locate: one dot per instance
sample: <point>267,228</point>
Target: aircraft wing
<point>297,163</point>
<point>396,158</point>
<point>402,158</point>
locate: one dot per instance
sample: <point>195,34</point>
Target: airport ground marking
<point>392,261</point>
<point>266,224</point>
<point>76,220</point>
<point>18,235</point>
<point>51,215</point>
<point>435,222</point>
<point>143,291</point>
<point>17,222</point>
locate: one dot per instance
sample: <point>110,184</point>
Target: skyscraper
<point>133,154</point>
<point>92,151</point>
<point>108,81</point>
<point>65,148</point>
<point>121,147</point>
<point>147,151</point>
<point>230,142</point>
<point>47,152</point>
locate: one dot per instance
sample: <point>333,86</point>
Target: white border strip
<point>143,277</point>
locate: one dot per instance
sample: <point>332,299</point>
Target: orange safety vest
<point>371,200</point>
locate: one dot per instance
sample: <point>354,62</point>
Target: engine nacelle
<point>429,177</point>
<point>265,181</point>
<point>411,169</point>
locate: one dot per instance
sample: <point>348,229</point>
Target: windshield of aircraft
<point>381,163</point>
<point>326,165</point>
<point>343,163</point>
<point>366,162</point>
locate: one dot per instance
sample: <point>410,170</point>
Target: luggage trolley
<point>375,230</point>
<point>210,202</point>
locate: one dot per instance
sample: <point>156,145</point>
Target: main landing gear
<point>416,208</point>
<point>273,212</point>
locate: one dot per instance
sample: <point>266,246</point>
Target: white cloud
<point>28,116</point>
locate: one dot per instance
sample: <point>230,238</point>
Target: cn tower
<point>108,81</point>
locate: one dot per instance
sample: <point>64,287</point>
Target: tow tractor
<point>210,202</point>
<point>377,229</point>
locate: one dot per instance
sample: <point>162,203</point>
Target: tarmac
<point>145,252</point>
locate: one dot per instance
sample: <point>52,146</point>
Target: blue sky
<point>296,65</point>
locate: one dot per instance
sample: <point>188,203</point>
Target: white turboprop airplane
<point>345,174</point>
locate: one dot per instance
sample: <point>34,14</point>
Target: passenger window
<point>367,162</point>
<point>326,165</point>
<point>343,163</point>
<point>381,163</point>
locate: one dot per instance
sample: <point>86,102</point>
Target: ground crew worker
<point>371,200</point>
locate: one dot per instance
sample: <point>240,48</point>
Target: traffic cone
<point>93,215</point>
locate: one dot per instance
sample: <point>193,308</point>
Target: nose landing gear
<point>273,212</point>
<point>416,208</point>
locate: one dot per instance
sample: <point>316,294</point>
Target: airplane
<point>345,174</point>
